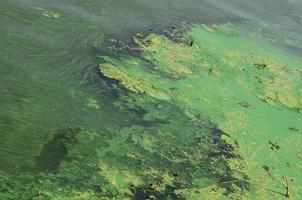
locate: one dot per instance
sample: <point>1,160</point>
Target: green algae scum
<point>200,110</point>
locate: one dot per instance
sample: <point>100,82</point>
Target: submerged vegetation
<point>206,113</point>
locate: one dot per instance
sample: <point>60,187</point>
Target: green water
<point>49,67</point>
<point>69,132</point>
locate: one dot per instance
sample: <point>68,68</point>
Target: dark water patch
<point>55,150</point>
<point>293,129</point>
<point>151,192</point>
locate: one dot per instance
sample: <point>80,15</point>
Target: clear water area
<point>57,111</point>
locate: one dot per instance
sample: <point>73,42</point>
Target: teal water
<point>49,79</point>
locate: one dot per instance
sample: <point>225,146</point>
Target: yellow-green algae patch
<point>251,91</point>
<point>137,84</point>
<point>166,56</point>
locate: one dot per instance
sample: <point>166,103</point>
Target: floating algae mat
<point>205,112</point>
<point>242,102</point>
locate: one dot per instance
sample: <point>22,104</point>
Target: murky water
<point>50,85</point>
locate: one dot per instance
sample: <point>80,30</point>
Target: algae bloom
<point>110,100</point>
<point>227,80</point>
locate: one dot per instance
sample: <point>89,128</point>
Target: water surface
<point>51,90</point>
